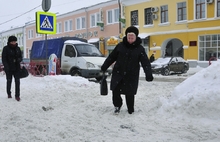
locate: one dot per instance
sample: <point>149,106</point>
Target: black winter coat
<point>11,58</point>
<point>127,58</point>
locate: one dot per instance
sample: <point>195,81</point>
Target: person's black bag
<point>103,86</point>
<point>23,72</point>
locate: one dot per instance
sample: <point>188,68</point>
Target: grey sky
<point>10,9</point>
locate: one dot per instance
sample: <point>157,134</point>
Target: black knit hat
<point>132,29</point>
<point>12,38</point>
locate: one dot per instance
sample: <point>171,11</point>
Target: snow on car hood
<point>95,60</point>
<point>160,62</point>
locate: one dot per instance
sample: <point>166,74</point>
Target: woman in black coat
<point>127,56</point>
<point>11,58</point>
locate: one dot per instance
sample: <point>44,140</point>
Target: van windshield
<point>87,50</point>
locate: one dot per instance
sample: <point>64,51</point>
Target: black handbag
<point>23,72</point>
<point>103,86</point>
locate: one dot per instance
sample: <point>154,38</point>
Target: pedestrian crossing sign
<point>45,22</point>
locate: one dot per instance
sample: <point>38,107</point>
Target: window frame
<point>209,45</point>
<point>201,4</point>
<point>148,15</point>
<point>134,23</point>
<point>114,18</point>
<point>165,18</point>
<point>83,22</point>
<point>78,23</point>
<point>91,20</point>
<point>217,8</point>
<point>180,11</point>
<point>59,27</point>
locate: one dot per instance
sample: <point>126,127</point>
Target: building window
<point>30,34</point>
<point>59,27</point>
<point>113,16</point>
<point>200,9</point>
<point>4,42</point>
<point>83,22</point>
<point>209,47</point>
<point>78,23</point>
<point>68,25</point>
<point>22,40</point>
<point>148,16</point>
<point>110,17</point>
<point>134,17</point>
<point>164,13</point>
<point>218,8</point>
<point>94,18</point>
<point>92,21</point>
<point>18,40</point>
<point>181,11</point>
<point>116,15</point>
<point>98,17</point>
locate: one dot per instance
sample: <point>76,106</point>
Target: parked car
<point>168,65</point>
<point>26,62</point>
<point>1,66</point>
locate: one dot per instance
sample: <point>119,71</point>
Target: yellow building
<point>187,28</point>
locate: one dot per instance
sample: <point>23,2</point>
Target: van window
<point>87,50</point>
<point>70,52</point>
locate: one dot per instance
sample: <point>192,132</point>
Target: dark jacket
<point>11,58</point>
<point>127,58</point>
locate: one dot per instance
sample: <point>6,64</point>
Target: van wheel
<point>75,73</point>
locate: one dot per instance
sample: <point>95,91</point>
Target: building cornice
<point>132,2</point>
<point>92,7</point>
<point>185,31</point>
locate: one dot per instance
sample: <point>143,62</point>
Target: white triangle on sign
<point>46,23</point>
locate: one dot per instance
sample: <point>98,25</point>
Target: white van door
<point>68,58</point>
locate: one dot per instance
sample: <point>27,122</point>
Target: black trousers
<point>16,75</point>
<point>117,99</point>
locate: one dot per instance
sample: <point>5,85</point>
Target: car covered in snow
<point>167,65</point>
<point>1,66</point>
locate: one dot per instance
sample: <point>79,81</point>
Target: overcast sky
<point>18,12</point>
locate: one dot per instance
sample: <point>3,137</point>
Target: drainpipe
<point>24,42</point>
<point>86,20</point>
<point>119,5</point>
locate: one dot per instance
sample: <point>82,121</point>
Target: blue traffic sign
<point>45,22</point>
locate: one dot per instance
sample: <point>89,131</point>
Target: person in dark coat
<point>152,58</point>
<point>127,56</point>
<point>11,58</point>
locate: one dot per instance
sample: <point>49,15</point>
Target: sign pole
<point>46,4</point>
<point>46,24</point>
<point>46,54</point>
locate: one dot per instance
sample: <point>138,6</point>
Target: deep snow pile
<point>198,96</point>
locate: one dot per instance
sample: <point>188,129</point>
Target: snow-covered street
<point>64,108</point>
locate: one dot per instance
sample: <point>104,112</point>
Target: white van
<point>83,59</point>
<point>75,57</point>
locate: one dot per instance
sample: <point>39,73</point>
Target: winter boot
<point>130,110</point>
<point>117,110</point>
<point>17,98</point>
<point>9,96</point>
